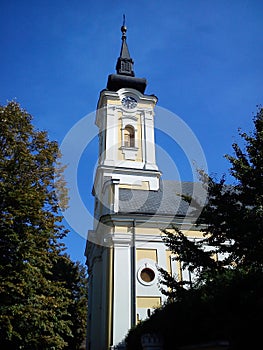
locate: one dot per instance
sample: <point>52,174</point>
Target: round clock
<point>129,102</point>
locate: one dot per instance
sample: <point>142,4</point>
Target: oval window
<point>147,275</point>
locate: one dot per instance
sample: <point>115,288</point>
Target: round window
<point>147,275</point>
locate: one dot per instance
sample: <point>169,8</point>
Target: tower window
<point>125,66</point>
<point>129,139</point>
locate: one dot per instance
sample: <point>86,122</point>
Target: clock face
<point>129,102</point>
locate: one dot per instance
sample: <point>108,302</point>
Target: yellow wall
<point>179,270</point>
<point>148,230</point>
<point>145,186</point>
<point>155,230</point>
<point>148,302</point>
<point>120,154</point>
<point>146,254</point>
<point>168,261</point>
<point>139,139</point>
<point>121,229</point>
<point>189,233</point>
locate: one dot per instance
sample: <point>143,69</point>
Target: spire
<point>125,77</point>
<point>125,63</point>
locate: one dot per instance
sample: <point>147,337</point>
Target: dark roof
<point>117,81</point>
<point>166,201</point>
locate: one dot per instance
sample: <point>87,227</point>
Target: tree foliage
<point>229,309</point>
<point>35,299</point>
<point>233,217</point>
<point>234,213</point>
<point>75,280</point>
<point>225,301</point>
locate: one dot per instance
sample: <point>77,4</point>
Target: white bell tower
<point>125,120</point>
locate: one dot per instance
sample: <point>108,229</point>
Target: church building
<point>132,204</point>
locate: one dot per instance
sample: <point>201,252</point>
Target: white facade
<point>124,250</point>
<point>117,160</point>
<point>125,247</point>
<point>114,271</point>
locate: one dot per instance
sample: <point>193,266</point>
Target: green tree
<point>74,275</point>
<point>233,217</point>
<point>225,302</point>
<point>234,214</point>
<point>35,303</point>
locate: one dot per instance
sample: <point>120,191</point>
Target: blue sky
<point>202,59</point>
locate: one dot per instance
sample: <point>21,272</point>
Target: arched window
<point>129,136</point>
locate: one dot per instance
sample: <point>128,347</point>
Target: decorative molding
<point>130,153</point>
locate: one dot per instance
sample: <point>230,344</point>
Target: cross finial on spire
<point>124,28</point>
<point>123,23</point>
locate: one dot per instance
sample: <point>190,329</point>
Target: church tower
<point>132,204</point>
<point>125,120</point>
